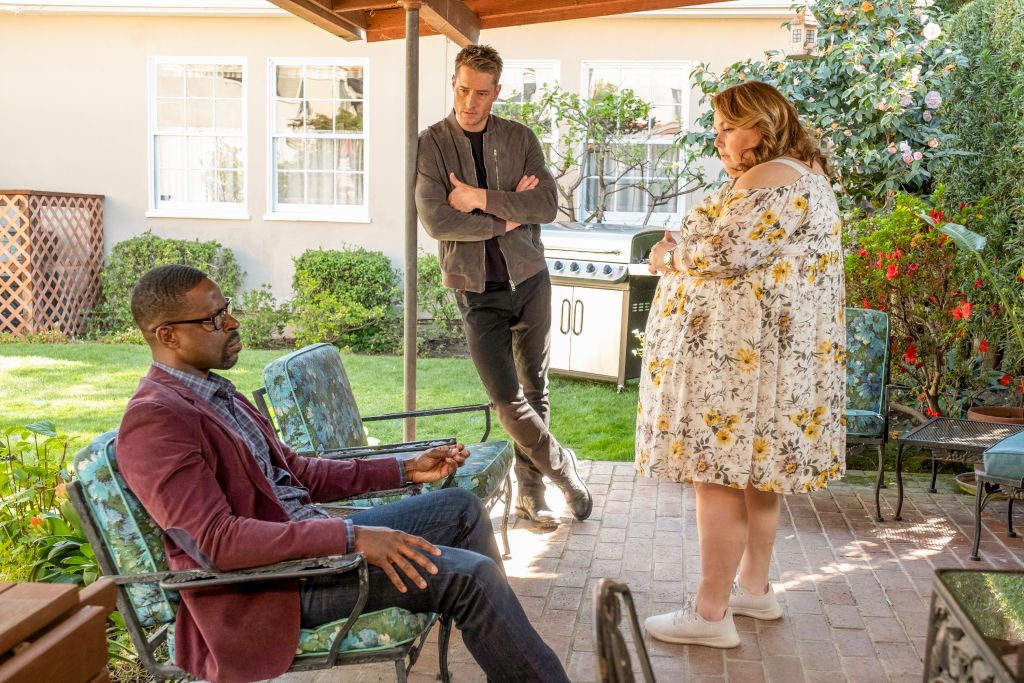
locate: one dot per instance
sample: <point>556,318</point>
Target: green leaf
<point>43,427</point>
<point>964,238</point>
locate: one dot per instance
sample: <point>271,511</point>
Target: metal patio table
<point>949,439</point>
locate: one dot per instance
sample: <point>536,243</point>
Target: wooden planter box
<point>51,255</point>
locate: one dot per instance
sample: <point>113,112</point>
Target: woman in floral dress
<point>743,387</point>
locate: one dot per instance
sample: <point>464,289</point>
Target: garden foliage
<point>261,320</point>
<point>444,322</point>
<point>349,298</point>
<point>131,259</point>
<point>873,94</point>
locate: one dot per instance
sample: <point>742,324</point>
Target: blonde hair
<point>482,58</point>
<point>759,106</point>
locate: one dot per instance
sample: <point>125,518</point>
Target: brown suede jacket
<point>511,151</point>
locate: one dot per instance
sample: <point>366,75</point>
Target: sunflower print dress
<point>743,377</point>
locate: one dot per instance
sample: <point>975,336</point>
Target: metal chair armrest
<point>185,579</point>
<point>485,408</point>
<point>395,449</point>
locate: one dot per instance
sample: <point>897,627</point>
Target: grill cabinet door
<point>561,326</point>
<point>595,326</point>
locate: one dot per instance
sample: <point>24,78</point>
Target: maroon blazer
<point>203,487</point>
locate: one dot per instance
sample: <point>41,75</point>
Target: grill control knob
<point>607,270</point>
<point>574,267</point>
<point>558,265</point>
<point>591,268</point>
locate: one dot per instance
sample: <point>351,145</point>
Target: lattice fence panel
<point>51,256</point>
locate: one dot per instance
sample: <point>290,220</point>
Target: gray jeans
<point>509,336</point>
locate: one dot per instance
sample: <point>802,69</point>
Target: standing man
<point>482,189</point>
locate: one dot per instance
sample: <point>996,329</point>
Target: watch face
<point>668,258</point>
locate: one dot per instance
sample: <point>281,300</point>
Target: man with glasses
<point>228,494</point>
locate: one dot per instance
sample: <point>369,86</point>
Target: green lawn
<point>83,389</point>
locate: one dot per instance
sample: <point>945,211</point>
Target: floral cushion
<point>867,360</point>
<point>313,401</point>
<point>484,470</point>
<point>379,630</point>
<point>134,541</point>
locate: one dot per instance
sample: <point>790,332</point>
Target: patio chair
<point>868,338</point>
<point>614,663</point>
<point>129,548</point>
<point>311,401</point>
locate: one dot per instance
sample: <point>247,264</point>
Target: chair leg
<point>444,634</point>
<point>1009,518</point>
<point>879,482</point>
<point>899,484</point>
<point>935,473</point>
<point>504,517</point>
<point>977,520</point>
<point>400,675</point>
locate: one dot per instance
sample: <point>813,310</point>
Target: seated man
<point>228,494</point>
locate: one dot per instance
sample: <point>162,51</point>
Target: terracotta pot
<point>1004,414</point>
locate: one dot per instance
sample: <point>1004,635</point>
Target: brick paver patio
<point>855,593</point>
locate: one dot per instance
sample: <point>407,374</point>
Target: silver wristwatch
<point>668,259</point>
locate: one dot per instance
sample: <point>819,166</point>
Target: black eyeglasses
<point>211,324</point>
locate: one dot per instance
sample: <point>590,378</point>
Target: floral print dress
<point>743,377</point>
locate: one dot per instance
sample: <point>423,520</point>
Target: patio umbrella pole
<point>412,92</point>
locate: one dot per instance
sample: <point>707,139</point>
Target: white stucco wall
<point>74,115</point>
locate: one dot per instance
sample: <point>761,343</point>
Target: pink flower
<point>933,143</point>
<point>908,157</point>
<point>918,156</point>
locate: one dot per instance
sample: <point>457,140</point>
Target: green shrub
<point>444,322</point>
<point>985,110</point>
<point>347,298</point>
<point>132,258</point>
<point>261,320</point>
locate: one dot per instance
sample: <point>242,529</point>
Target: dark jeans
<point>509,336</point>
<point>470,586</point>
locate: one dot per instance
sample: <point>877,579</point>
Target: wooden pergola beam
<point>362,5</point>
<point>347,25</point>
<point>452,19</point>
<point>389,24</point>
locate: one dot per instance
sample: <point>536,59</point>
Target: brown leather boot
<point>531,506</point>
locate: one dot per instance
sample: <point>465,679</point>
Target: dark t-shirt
<point>496,270</point>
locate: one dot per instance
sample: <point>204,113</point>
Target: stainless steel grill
<point>600,292</point>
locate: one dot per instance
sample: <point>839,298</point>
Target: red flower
<point>912,268</point>
<point>862,253</point>
<point>963,311</point>
<point>892,271</point>
<point>911,354</point>
<point>1005,380</point>
<point>932,413</point>
<point>864,303</point>
<point>979,283</point>
<point>936,216</point>
<point>983,346</point>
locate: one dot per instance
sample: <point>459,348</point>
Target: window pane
<point>349,82</point>
<point>319,82</point>
<point>200,186</point>
<point>320,188</point>
<point>171,151</point>
<point>228,83</point>
<point>171,185</point>
<point>170,114</point>
<point>290,188</point>
<point>289,81</point>
<point>350,155</point>
<point>228,115</point>
<point>170,80</point>
<point>289,154</point>
<point>229,186</point>
<point>320,154</point>
<point>349,118</point>
<point>349,188</point>
<point>320,116</point>
<point>201,152</point>
<point>199,113</point>
<point>289,116</point>
<point>230,153</point>
<point>199,81</point>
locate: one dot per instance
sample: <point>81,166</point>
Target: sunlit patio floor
<point>855,593</point>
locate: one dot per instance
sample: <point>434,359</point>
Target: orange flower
<point>35,520</point>
<point>866,6</point>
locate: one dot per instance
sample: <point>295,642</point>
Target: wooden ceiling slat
<point>362,5</point>
<point>347,25</point>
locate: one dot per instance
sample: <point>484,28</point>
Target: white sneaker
<point>686,626</point>
<point>745,603</point>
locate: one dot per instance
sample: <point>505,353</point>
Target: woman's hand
<point>656,260</point>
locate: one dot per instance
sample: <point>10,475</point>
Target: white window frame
<point>215,210</point>
<point>323,213</point>
<point>634,217</point>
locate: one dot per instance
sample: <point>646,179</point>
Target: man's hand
<point>388,549</point>
<point>527,182</point>
<point>466,198</point>
<point>656,260</point>
<point>436,463</point>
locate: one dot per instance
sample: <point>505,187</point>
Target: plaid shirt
<point>219,393</point>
